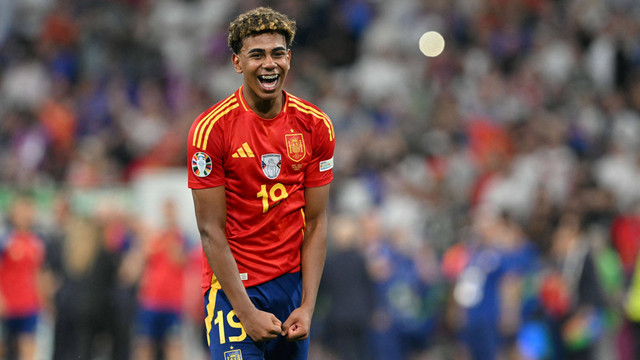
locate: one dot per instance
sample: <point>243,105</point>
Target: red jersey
<point>163,277</point>
<point>264,165</point>
<point>21,256</point>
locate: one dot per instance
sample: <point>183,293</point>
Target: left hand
<point>297,325</point>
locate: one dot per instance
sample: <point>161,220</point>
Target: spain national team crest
<point>233,355</point>
<point>201,164</point>
<point>271,164</point>
<point>295,147</point>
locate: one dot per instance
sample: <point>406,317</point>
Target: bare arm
<point>211,214</point>
<point>313,253</point>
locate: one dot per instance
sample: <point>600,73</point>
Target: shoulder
<point>226,108</point>
<point>213,117</point>
<point>311,114</point>
<point>303,106</point>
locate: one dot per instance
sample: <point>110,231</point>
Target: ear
<point>235,59</point>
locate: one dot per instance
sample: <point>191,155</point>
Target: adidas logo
<point>243,152</point>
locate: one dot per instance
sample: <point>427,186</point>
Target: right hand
<point>261,325</point>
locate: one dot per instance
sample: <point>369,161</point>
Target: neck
<point>265,108</point>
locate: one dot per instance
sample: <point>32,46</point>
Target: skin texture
<point>264,54</point>
<point>211,213</point>
<point>314,246</point>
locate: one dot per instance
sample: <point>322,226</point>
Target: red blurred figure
<point>162,290</point>
<point>554,295</point>
<point>21,258</point>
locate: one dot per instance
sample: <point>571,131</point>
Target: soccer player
<point>21,258</point>
<point>161,290</point>
<point>260,166</point>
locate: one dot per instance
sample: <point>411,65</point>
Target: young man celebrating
<point>260,165</point>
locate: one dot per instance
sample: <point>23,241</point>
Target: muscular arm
<point>313,253</point>
<point>211,214</point>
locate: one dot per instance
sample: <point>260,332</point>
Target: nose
<point>269,63</point>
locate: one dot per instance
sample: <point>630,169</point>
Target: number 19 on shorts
<point>230,319</point>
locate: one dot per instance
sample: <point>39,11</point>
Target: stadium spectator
<point>576,325</point>
<point>83,271</point>
<point>347,322</point>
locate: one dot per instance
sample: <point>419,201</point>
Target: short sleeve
<point>319,172</point>
<point>205,155</point>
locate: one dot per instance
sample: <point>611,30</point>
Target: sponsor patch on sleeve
<point>326,165</point>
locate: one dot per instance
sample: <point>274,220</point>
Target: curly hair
<point>257,21</point>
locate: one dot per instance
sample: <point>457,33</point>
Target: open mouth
<point>269,82</point>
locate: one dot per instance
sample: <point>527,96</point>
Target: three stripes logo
<point>243,152</point>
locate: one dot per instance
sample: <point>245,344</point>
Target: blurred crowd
<point>486,202</point>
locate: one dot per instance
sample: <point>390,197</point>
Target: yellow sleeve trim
<point>296,103</point>
<point>206,135</point>
<point>198,133</point>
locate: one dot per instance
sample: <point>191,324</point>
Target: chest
<point>23,252</point>
<point>266,151</point>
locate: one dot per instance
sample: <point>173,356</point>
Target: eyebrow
<point>259,50</point>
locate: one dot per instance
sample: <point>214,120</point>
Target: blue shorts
<point>158,325</point>
<point>21,324</point>
<point>228,340</point>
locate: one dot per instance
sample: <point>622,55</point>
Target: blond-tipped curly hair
<point>257,21</point>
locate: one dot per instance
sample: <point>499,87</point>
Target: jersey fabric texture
<point>21,256</point>
<point>228,340</point>
<point>264,165</point>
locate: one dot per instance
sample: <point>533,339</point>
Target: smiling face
<point>264,61</point>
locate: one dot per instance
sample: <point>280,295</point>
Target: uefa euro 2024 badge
<point>201,164</point>
<point>271,164</point>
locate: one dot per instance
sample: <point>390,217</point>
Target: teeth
<point>269,77</point>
